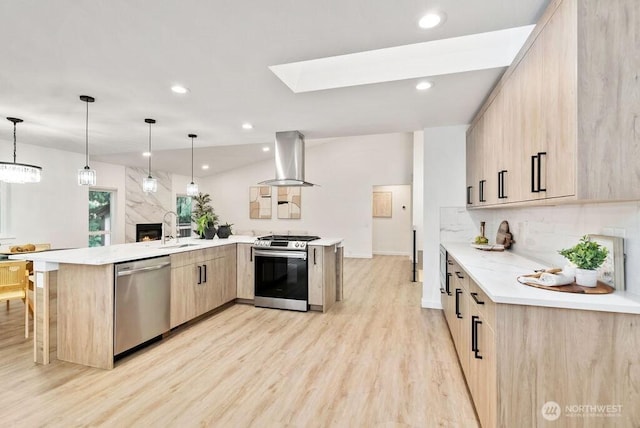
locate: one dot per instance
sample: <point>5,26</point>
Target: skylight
<point>447,56</point>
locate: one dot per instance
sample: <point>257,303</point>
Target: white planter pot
<point>586,278</point>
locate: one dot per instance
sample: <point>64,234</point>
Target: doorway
<point>392,220</point>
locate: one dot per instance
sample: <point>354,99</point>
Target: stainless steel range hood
<point>289,154</point>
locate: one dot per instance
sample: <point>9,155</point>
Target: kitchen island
<point>74,292</point>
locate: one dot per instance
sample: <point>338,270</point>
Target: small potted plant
<point>203,215</point>
<point>224,230</point>
<point>206,226</point>
<point>588,256</point>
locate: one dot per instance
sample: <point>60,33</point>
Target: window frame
<point>184,227</point>
<point>107,233</point>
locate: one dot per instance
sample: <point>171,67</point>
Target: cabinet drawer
<point>483,303</point>
<point>201,255</point>
<point>460,277</point>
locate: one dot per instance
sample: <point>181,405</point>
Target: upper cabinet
<point>562,125</point>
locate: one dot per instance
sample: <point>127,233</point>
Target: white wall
<point>346,170</point>
<point>418,187</point>
<point>444,185</point>
<point>393,235</point>
<point>54,210</point>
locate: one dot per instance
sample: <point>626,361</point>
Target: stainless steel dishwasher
<point>142,301</point>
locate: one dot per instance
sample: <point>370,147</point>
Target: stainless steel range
<point>281,271</point>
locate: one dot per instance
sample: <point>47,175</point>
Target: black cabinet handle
<point>469,195</point>
<point>458,293</point>
<point>441,290</point>
<point>205,272</point>
<point>448,277</point>
<point>314,256</point>
<point>481,192</point>
<point>199,275</point>
<point>540,188</point>
<point>475,298</point>
<point>449,262</point>
<point>475,322</point>
<point>534,158</point>
<point>501,194</point>
<point>459,275</point>
<point>251,254</point>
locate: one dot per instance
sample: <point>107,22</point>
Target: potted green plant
<point>588,256</point>
<point>204,216</point>
<point>224,230</point>
<point>205,226</point>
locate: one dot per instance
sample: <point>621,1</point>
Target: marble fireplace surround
<point>142,207</point>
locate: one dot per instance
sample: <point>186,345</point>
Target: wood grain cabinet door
<point>316,274</point>
<point>184,294</point>
<point>245,272</point>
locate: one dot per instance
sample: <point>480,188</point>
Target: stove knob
<point>297,245</point>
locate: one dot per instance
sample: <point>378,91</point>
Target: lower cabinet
<point>246,272</point>
<point>201,280</point>
<point>322,276</point>
<point>516,358</point>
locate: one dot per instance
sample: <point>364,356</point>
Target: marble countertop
<point>140,250</point>
<point>496,272</point>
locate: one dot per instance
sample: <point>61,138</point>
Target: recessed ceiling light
<point>146,154</point>
<point>247,125</point>
<point>424,85</point>
<point>205,166</point>
<point>430,20</point>
<point>265,149</point>
<point>179,89</point>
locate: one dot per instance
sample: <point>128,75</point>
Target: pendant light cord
<point>192,159</point>
<point>86,137</point>
<point>149,150</point>
<point>14,142</point>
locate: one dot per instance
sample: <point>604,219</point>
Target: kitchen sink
<point>179,246</point>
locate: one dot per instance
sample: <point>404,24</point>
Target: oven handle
<point>286,254</point>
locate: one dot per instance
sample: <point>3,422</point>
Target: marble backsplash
<point>142,207</point>
<point>540,232</point>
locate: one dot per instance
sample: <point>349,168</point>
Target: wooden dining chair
<point>14,284</point>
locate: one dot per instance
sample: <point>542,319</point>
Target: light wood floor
<point>376,359</point>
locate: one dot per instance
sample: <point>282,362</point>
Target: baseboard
<point>431,304</point>
<point>357,256</point>
<point>392,253</point>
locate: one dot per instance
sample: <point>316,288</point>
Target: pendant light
<point>86,175</point>
<point>13,172</point>
<point>150,184</point>
<point>192,188</point>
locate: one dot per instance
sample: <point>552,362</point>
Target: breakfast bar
<point>76,304</point>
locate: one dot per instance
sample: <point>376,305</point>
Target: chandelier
<point>14,172</point>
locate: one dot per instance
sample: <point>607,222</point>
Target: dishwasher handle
<point>144,269</point>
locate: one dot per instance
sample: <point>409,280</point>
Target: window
<point>100,217</point>
<point>183,208</point>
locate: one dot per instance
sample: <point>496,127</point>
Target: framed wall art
<point>612,270</point>
<point>382,204</point>
<point>289,202</point>
<point>260,202</point>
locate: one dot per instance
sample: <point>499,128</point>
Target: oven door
<point>281,279</point>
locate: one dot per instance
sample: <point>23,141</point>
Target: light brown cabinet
<point>201,280</point>
<point>246,272</point>
<point>323,276</point>
<point>515,358</point>
<point>562,124</point>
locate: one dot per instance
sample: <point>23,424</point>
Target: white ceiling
<point>127,54</point>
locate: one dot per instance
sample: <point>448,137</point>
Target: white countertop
<point>140,250</point>
<point>326,242</point>
<point>496,272</point>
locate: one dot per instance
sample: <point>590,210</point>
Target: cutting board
<point>503,236</point>
<point>600,288</point>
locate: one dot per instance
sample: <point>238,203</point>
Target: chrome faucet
<point>164,220</point>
